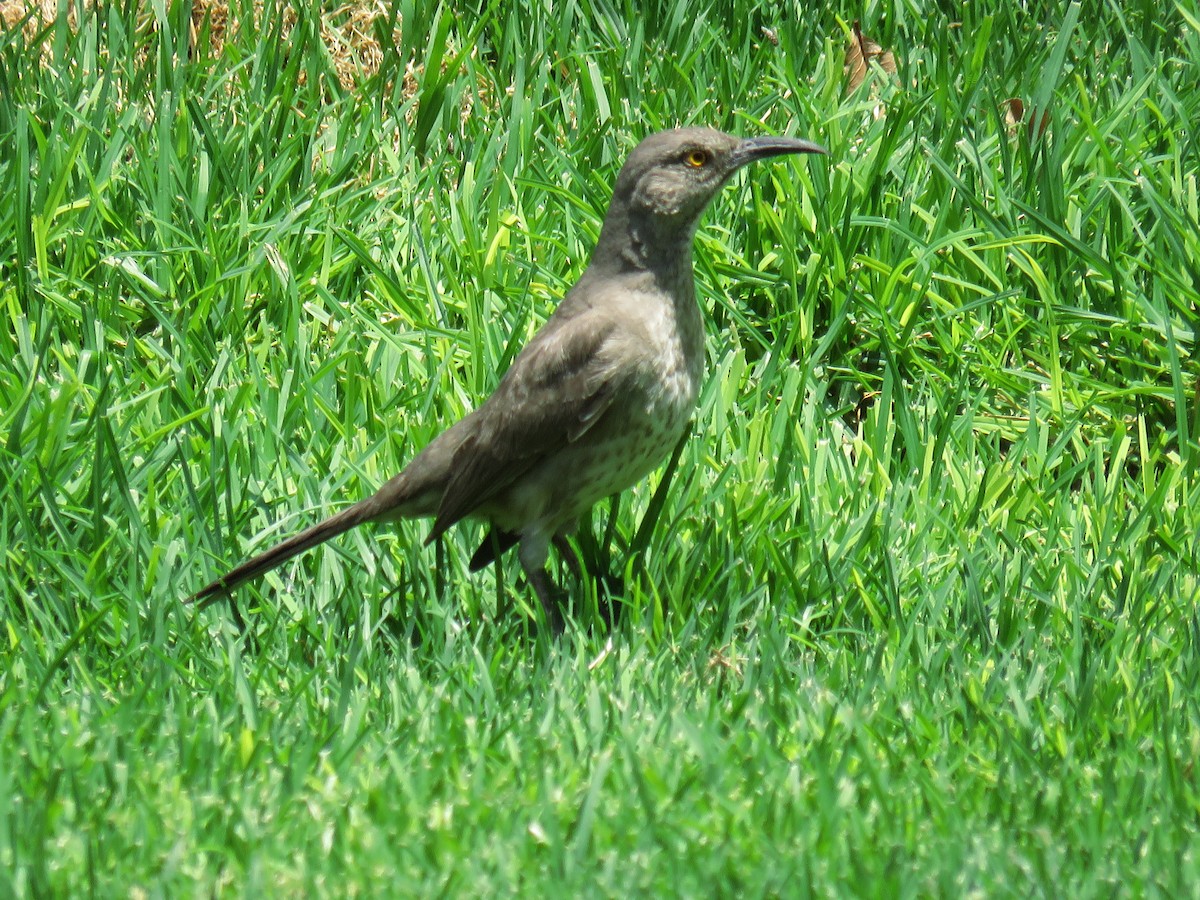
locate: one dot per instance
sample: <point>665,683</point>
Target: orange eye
<point>696,159</point>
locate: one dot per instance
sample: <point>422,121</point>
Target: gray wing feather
<point>559,386</point>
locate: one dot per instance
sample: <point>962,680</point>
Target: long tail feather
<point>281,553</point>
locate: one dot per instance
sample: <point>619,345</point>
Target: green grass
<point>919,615</point>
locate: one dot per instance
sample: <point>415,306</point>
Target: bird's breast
<point>673,358</point>
<point>653,409</point>
<point>657,358</point>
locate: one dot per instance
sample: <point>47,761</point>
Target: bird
<point>596,399</point>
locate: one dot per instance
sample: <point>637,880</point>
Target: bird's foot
<point>547,594</point>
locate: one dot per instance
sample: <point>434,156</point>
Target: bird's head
<point>671,177</point>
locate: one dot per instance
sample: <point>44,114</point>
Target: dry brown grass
<point>346,31</point>
<point>13,11</point>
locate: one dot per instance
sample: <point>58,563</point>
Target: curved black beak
<point>755,148</point>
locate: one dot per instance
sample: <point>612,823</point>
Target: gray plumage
<point>596,399</point>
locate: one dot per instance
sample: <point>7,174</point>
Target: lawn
<point>916,610</point>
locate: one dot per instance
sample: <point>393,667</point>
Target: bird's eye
<point>697,159</point>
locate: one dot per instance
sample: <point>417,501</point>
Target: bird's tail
<point>279,554</point>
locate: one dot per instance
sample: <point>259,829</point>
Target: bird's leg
<point>568,554</point>
<point>608,586</point>
<point>544,588</point>
<point>533,551</point>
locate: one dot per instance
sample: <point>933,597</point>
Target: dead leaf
<point>1014,111</point>
<point>860,53</point>
<point>1014,118</point>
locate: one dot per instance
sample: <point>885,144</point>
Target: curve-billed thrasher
<point>600,395</point>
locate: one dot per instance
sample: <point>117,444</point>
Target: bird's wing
<point>559,386</point>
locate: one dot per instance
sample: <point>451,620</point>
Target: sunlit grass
<point>917,614</point>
